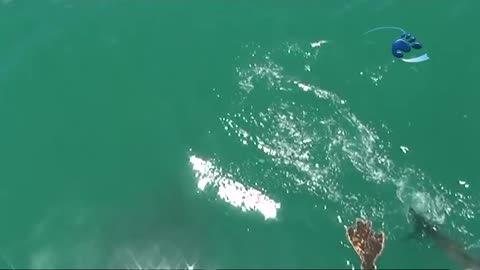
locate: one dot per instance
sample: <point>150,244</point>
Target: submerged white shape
<point>233,192</point>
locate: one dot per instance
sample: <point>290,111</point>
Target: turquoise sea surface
<point>234,134</point>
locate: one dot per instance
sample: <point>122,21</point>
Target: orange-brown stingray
<point>367,244</point>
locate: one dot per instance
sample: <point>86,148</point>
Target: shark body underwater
<point>369,244</point>
<point>453,249</point>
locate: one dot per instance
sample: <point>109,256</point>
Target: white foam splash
<point>310,144</point>
<point>318,43</point>
<point>233,192</point>
<point>463,183</point>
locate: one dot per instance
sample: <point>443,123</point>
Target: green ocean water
<point>234,134</point>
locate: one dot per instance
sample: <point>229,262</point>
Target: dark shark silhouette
<point>452,248</point>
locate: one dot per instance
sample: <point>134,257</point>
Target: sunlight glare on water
<point>232,192</point>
